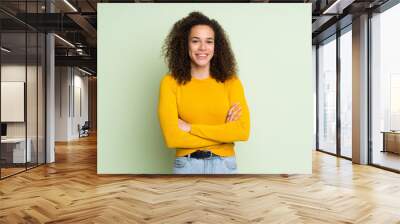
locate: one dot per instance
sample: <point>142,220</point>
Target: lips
<point>201,56</point>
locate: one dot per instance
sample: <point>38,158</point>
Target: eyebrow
<point>208,38</point>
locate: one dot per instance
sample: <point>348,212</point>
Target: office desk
<point>15,148</point>
<point>391,141</point>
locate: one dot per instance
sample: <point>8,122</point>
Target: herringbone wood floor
<point>69,191</point>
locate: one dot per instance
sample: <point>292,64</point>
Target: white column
<point>360,90</point>
<point>50,92</point>
<point>50,100</point>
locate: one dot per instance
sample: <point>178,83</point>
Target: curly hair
<point>176,50</point>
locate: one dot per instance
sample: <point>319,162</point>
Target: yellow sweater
<point>204,104</point>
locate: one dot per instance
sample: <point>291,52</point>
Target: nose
<point>202,46</point>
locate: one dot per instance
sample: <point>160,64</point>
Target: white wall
<point>81,103</point>
<point>71,94</point>
<point>62,81</point>
<point>12,73</point>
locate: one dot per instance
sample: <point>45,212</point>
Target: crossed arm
<point>180,134</point>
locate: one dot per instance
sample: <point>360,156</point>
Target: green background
<point>272,45</point>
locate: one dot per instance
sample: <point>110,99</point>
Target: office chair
<point>84,130</point>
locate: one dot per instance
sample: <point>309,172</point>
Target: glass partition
<point>22,77</point>
<point>41,107</point>
<point>13,111</point>
<point>32,95</point>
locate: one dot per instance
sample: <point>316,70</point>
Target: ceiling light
<point>70,5</point>
<point>337,7</point>
<point>5,50</point>
<point>79,51</point>
<point>84,71</point>
<point>64,40</point>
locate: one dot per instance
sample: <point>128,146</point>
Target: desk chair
<point>84,130</point>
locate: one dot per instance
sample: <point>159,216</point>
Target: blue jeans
<point>213,165</point>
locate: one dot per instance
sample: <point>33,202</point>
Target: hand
<point>184,126</point>
<point>234,113</point>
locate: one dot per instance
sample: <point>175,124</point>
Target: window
<point>385,88</point>
<point>327,96</point>
<point>346,93</point>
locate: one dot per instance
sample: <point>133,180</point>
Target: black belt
<point>199,154</point>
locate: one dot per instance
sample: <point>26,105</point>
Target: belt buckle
<point>208,153</point>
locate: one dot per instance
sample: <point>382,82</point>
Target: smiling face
<point>201,45</point>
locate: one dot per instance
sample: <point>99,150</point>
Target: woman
<point>202,107</point>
